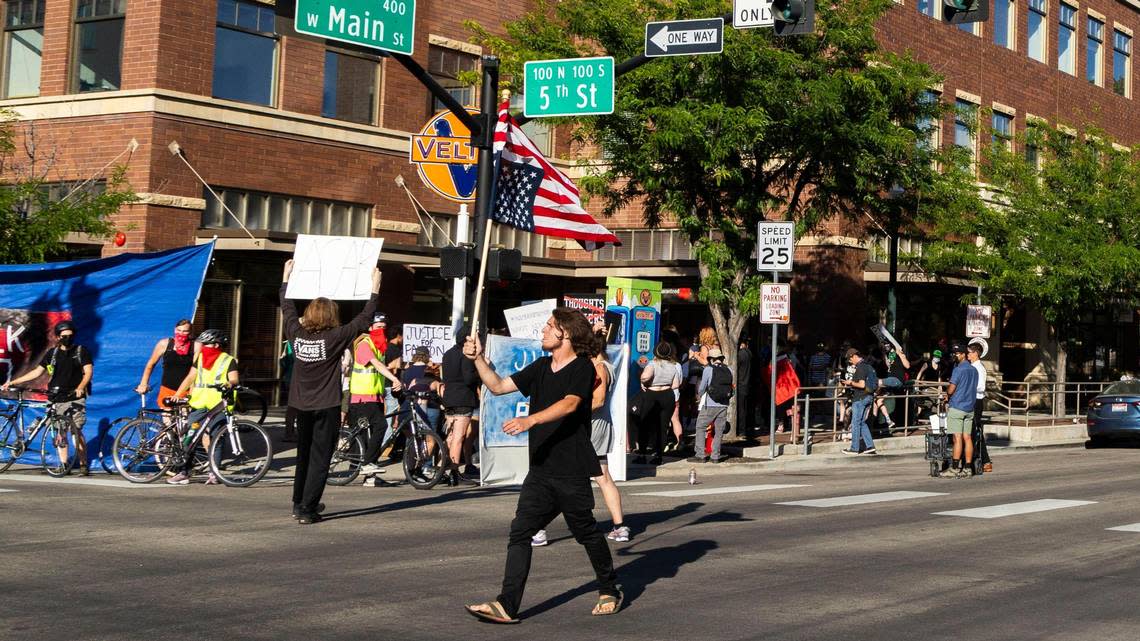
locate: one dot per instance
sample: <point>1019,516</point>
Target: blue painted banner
<point>120,307</point>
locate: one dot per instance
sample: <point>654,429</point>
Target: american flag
<point>532,195</point>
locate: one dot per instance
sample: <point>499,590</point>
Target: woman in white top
<point>658,380</point>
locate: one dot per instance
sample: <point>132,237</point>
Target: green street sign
<point>381,24</point>
<point>568,87</point>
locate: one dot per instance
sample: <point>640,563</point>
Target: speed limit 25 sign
<point>775,246</point>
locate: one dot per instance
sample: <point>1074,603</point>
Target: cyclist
<point>70,367</point>
<point>366,389</point>
<point>177,354</point>
<point>212,366</point>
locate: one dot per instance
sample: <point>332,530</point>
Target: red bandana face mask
<point>379,339</point>
<point>209,355</point>
<point>182,343</point>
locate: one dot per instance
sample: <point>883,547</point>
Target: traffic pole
<point>772,383</point>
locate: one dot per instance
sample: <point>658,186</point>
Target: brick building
<point>296,134</point>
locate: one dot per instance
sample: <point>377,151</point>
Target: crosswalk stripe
<point>9,490</point>
<point>97,482</point>
<point>719,490</point>
<point>861,499</point>
<point>1134,527</point>
<point>1013,509</point>
<point>646,483</point>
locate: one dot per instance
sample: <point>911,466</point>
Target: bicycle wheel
<point>10,446</point>
<point>142,450</point>
<point>58,447</point>
<point>425,460</point>
<point>347,458</point>
<point>240,454</point>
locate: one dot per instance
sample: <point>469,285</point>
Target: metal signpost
<point>775,249</point>
<point>684,37</point>
<point>381,24</point>
<point>568,87</point>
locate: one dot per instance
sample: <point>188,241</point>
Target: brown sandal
<point>496,615</point>
<point>608,599</point>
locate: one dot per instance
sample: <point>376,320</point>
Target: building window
<point>1066,40</point>
<point>1094,60</point>
<point>1002,130</point>
<point>929,129</point>
<point>1033,144</point>
<point>931,8</point>
<point>648,244</point>
<point>965,113</point>
<point>99,44</point>
<point>276,212</point>
<point>445,64</point>
<point>537,130</point>
<point>23,47</point>
<point>1004,19</point>
<point>526,242</point>
<point>245,52</point>
<point>1038,29</point>
<point>1121,63</point>
<point>350,87</point>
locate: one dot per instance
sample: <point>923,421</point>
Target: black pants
<point>744,414</point>
<point>291,421</point>
<point>317,432</point>
<point>543,498</point>
<point>377,426</point>
<point>983,453</point>
<point>656,421</point>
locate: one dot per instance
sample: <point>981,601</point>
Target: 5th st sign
<point>684,37</point>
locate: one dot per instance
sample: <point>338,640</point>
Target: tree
<point>1063,237</point>
<point>810,128</point>
<point>36,214</point>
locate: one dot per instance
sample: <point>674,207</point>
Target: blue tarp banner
<point>121,306</point>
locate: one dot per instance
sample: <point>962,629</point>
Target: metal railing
<point>917,403</point>
<point>1029,401</point>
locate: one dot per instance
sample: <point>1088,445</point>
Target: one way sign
<point>684,37</point>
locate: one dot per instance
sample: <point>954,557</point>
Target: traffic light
<point>793,17</point>
<point>457,262</point>
<point>963,11</point>
<point>504,264</point>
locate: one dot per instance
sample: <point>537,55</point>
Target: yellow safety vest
<point>365,380</point>
<point>203,397</point>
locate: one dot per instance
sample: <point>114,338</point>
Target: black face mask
<point>66,340</point>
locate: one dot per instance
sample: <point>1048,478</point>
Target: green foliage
<point>805,128</point>
<point>1064,238</point>
<point>37,214</point>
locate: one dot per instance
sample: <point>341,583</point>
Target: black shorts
<point>460,410</point>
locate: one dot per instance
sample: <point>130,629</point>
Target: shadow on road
<point>433,499</point>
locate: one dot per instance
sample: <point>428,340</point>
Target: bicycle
<point>60,434</point>
<point>238,452</point>
<point>425,453</point>
<point>105,458</point>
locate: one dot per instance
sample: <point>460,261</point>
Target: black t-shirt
<point>394,353</point>
<point>560,448</point>
<point>862,373</point>
<point>67,369</point>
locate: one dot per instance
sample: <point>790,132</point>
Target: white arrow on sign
<point>686,37</point>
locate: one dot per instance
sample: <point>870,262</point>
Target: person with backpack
<point>863,384</point>
<point>715,392</point>
<point>70,367</point>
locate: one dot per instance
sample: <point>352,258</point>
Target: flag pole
<point>482,278</point>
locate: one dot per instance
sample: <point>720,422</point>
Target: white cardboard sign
<point>336,267</point>
<point>527,321</point>
<point>437,338</point>
<point>776,303</point>
<point>978,321</point>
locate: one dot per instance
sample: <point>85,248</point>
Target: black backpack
<point>720,387</point>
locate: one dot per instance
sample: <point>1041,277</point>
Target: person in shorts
<point>960,414</point>
<point>177,355</point>
<point>460,402</point>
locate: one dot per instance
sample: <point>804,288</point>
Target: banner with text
<point>593,306</point>
<point>437,338</point>
<point>336,267</point>
<point>527,321</point>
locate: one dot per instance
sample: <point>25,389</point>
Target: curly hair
<point>577,330</point>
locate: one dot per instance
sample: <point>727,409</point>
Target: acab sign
<point>775,303</point>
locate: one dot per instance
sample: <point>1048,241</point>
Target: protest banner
<point>593,306</point>
<point>336,267</point>
<point>527,321</point>
<point>437,338</point>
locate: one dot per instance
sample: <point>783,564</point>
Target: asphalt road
<point>103,560</point>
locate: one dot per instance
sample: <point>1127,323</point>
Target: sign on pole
<point>775,246</point>
<point>568,87</point>
<point>749,14</point>
<point>684,37</point>
<point>380,24</point>
<point>775,303</point>
<point>978,321</point>
<point>445,158</point>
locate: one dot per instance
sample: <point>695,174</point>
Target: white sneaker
<point>619,534</point>
<point>179,479</point>
<point>372,468</point>
<point>539,539</point>
<point>212,479</point>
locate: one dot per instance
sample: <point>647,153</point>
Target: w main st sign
<point>389,25</point>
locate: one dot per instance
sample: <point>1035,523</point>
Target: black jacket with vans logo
<point>316,383</point>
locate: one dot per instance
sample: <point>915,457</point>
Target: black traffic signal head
<point>793,17</point>
<point>964,11</point>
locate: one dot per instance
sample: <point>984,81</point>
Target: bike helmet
<point>63,326</point>
<point>213,336</point>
